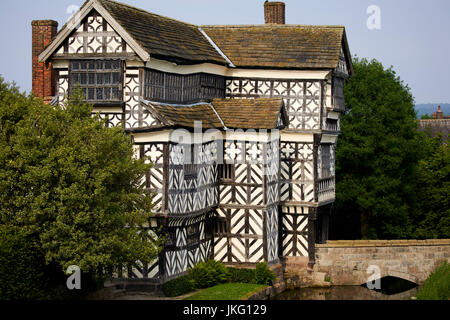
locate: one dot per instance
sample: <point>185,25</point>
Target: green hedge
<point>437,285</point>
<point>211,273</point>
<point>178,286</point>
<point>261,275</point>
<point>242,275</point>
<point>203,275</point>
<point>208,274</point>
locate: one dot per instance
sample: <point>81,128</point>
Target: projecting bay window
<point>338,94</point>
<point>99,80</point>
<point>177,88</point>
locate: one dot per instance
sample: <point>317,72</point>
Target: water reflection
<point>343,293</point>
<point>393,285</point>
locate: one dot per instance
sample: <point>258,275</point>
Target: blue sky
<point>414,37</point>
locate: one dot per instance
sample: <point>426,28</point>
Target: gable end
<point>74,24</point>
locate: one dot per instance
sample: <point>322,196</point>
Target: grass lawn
<point>437,286</point>
<point>228,291</point>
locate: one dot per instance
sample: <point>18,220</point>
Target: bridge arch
<point>401,275</point>
<point>346,262</point>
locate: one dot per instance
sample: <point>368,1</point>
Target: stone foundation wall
<point>346,262</point>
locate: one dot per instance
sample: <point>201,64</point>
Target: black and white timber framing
<point>242,200</point>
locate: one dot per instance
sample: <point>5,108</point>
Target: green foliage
<point>178,286</point>
<point>72,183</point>
<point>432,218</point>
<point>263,275</point>
<point>391,180</point>
<point>242,275</point>
<point>209,273</point>
<point>24,275</point>
<point>437,285</point>
<point>227,291</point>
<point>22,266</point>
<point>376,156</point>
<point>213,274</point>
<point>425,117</point>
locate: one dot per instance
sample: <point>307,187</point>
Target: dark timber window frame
<point>221,226</point>
<point>326,160</point>
<point>193,234</point>
<point>190,167</point>
<point>101,80</point>
<point>337,92</point>
<point>171,240</point>
<point>227,173</point>
<point>332,124</point>
<point>182,88</point>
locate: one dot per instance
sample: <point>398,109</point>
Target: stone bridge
<point>346,262</point>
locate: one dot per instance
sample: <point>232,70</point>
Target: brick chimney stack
<point>44,78</point>
<point>275,12</point>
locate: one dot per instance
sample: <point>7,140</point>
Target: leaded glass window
<point>326,161</point>
<point>99,80</point>
<point>190,167</point>
<point>176,88</point>
<point>193,234</point>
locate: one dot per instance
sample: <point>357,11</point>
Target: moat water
<point>391,289</point>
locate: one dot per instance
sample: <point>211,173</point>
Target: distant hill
<point>430,108</point>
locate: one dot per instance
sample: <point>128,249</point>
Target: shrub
<point>242,275</point>
<point>437,285</point>
<point>209,273</point>
<point>263,275</point>
<point>22,266</point>
<point>178,286</point>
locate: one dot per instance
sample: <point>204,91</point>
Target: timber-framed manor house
<point>259,184</point>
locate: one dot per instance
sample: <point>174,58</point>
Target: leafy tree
<point>432,219</point>
<point>376,156</point>
<point>72,183</point>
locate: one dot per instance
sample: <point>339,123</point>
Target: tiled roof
<point>230,113</point>
<point>254,46</point>
<point>162,36</point>
<point>280,46</point>
<point>184,116</point>
<point>249,113</point>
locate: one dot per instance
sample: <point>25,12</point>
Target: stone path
<point>151,296</point>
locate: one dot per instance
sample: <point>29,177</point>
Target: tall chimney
<point>44,78</point>
<point>439,113</point>
<point>275,12</point>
